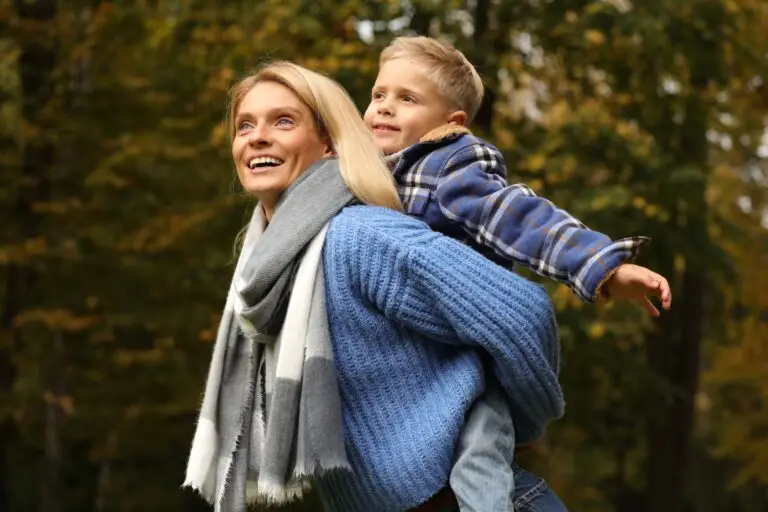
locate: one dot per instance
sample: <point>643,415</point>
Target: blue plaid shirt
<point>456,183</point>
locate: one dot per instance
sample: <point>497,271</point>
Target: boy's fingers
<point>666,294</point>
<point>650,308</point>
<point>659,287</point>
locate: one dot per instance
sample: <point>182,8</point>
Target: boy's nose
<point>384,110</point>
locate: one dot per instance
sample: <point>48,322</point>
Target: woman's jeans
<point>485,477</point>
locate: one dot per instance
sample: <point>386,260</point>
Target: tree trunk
<point>484,117</point>
<point>8,340</point>
<point>50,482</point>
<point>670,431</point>
<point>102,485</point>
<point>37,61</point>
<point>674,354</point>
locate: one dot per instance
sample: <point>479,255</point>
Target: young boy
<point>425,95</point>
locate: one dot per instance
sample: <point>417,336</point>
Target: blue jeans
<point>532,494</point>
<point>485,477</point>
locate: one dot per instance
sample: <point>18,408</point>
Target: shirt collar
<point>394,159</point>
<point>441,133</point>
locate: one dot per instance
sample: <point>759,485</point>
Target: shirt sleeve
<point>525,228</point>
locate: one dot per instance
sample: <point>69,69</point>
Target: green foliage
<point>639,118</point>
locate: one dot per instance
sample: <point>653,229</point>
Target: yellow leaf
<point>55,319</point>
<point>536,185</point>
<point>599,203</point>
<point>505,138</point>
<point>594,37</point>
<point>536,162</point>
<point>596,330</point>
<point>557,115</point>
<point>651,210</point>
<point>65,402</point>
<point>218,134</point>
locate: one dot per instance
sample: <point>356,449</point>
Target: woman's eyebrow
<point>284,110</point>
<point>243,116</point>
<point>272,112</point>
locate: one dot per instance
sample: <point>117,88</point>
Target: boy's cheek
<point>367,117</point>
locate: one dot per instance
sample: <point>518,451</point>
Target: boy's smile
<point>405,106</point>
<point>385,127</point>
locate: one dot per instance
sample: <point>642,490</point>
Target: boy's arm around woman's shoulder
<point>447,292</point>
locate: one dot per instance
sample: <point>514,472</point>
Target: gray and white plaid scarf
<point>271,413</point>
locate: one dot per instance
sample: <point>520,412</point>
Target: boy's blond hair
<point>456,79</point>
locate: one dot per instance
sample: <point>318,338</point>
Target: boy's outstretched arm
<point>530,230</point>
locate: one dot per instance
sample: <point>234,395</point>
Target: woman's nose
<point>259,136</point>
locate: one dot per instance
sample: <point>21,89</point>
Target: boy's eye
<point>376,95</point>
<point>409,99</point>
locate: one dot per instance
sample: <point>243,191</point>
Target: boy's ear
<point>458,117</point>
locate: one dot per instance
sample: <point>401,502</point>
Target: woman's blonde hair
<point>362,164</point>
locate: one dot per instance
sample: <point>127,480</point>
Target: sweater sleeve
<point>441,289</point>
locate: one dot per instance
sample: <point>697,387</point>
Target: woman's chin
<point>255,185</point>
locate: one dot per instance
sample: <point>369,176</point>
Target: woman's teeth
<point>263,162</point>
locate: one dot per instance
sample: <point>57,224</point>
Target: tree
<point>641,118</point>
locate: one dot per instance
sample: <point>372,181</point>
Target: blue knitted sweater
<point>408,308</point>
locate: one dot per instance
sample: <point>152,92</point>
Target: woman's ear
<point>328,150</point>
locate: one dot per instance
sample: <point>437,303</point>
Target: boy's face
<point>405,106</point>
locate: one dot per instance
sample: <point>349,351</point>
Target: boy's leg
<point>482,476</point>
<point>532,494</point>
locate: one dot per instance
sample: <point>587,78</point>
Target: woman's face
<point>276,139</point>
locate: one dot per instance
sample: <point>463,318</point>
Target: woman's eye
<point>284,121</point>
<point>243,127</point>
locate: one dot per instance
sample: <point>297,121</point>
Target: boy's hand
<point>633,282</point>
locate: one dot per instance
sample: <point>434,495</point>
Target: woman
<point>347,352</point>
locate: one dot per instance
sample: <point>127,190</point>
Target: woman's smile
<point>260,164</point>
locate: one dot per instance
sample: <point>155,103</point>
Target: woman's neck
<point>268,212</point>
<point>268,205</point>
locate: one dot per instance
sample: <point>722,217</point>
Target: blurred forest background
<point>120,206</point>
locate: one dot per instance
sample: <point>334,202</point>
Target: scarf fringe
<point>273,494</point>
<point>199,475</point>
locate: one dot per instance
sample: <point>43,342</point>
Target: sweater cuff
<point>601,267</point>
